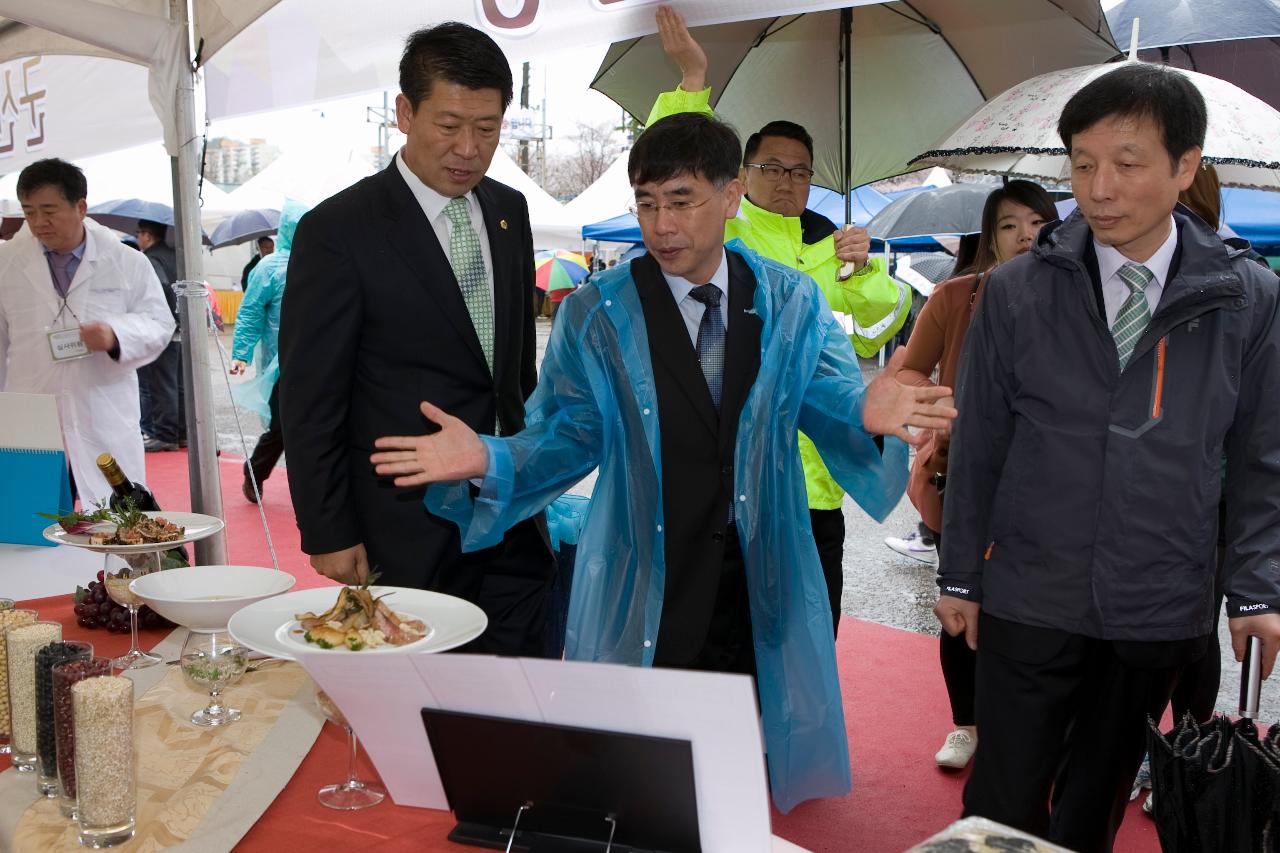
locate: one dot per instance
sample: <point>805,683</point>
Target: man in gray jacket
<point>1107,373</point>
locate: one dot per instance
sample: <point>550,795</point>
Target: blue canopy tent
<point>1255,216</point>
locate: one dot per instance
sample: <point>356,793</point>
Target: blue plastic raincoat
<point>596,406</point>
<point>258,318</point>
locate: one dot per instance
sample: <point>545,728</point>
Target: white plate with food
<point>349,620</point>
<point>159,532</point>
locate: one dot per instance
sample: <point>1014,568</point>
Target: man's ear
<point>1188,163</point>
<point>82,207</point>
<point>733,197</point>
<point>404,113</point>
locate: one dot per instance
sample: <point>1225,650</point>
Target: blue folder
<point>31,482</point>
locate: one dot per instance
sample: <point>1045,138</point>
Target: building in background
<point>230,162</point>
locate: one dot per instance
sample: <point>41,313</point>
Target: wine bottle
<point>124,490</point>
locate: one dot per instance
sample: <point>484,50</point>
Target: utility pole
<point>385,119</point>
<point>523,159</point>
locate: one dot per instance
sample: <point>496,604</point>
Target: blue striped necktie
<point>711,339</point>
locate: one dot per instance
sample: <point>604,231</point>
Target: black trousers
<point>828,535</point>
<point>729,646</point>
<point>266,453</point>
<point>160,397</point>
<point>1062,719</point>
<point>958,661</point>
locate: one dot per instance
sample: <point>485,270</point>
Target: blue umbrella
<point>246,225</point>
<point>123,214</point>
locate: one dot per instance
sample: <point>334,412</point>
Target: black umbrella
<point>1217,786</point>
<point>1234,40</point>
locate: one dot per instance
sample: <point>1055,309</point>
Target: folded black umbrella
<point>1217,785</point>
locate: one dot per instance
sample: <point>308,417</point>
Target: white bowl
<point>203,598</point>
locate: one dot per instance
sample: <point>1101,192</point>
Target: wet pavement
<point>879,584</point>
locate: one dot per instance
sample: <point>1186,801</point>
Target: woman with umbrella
<point>1011,219</point>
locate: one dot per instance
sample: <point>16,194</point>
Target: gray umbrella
<point>956,209</point>
<point>1233,40</point>
<point>244,226</point>
<point>917,69</point>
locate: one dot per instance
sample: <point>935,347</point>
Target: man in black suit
<point>696,552</point>
<point>416,282</point>
<point>1107,374</point>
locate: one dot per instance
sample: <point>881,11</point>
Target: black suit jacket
<point>373,322</point>
<point>697,450</point>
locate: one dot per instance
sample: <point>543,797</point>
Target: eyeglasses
<point>679,208</point>
<point>773,172</point>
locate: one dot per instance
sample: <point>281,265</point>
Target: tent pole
<point>202,460</point>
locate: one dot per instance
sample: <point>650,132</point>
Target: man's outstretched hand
<point>889,407</point>
<point>453,453</point>
<point>686,53</point>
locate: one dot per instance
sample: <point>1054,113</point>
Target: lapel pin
<point>502,223</point>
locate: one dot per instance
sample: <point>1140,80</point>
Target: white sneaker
<point>914,547</point>
<point>957,749</point>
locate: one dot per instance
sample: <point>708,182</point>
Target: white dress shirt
<point>691,309</point>
<point>433,204</point>
<point>1115,290</point>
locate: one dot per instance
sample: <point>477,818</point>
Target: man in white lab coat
<point>79,313</point>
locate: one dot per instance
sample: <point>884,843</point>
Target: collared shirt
<point>1115,290</point>
<point>433,204</point>
<point>77,255</point>
<point>691,309</point>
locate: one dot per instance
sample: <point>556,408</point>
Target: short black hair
<point>685,143</point>
<point>53,172</point>
<point>456,53</point>
<point>155,229</point>
<point>784,129</point>
<point>1141,90</point>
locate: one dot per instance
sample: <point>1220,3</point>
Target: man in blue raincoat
<point>258,321</point>
<point>684,376</point>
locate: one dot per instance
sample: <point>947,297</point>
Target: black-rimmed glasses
<point>773,173</point>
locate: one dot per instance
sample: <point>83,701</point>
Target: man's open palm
<point>453,453</point>
<point>889,407</point>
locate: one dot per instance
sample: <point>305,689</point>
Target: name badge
<point>67,345</point>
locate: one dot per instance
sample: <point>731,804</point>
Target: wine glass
<point>118,571</point>
<point>213,660</point>
<point>351,794</point>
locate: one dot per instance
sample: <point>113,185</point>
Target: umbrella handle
<point>1251,679</point>
<point>846,268</point>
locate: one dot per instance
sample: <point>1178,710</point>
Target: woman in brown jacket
<point>1011,219</point>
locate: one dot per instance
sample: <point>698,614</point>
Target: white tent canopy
<point>141,172</point>
<point>262,55</point>
<point>608,196</point>
<point>552,225</point>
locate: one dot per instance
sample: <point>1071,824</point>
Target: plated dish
<point>272,627</point>
<point>97,537</point>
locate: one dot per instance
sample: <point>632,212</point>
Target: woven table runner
<point>198,789</point>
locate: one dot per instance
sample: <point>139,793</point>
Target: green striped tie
<point>468,267</point>
<point>1134,314</point>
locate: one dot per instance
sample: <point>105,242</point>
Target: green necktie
<point>468,268</point>
<point>1134,314</point>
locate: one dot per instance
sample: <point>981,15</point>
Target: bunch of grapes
<point>95,609</point>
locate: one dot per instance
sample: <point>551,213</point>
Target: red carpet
<point>895,703</point>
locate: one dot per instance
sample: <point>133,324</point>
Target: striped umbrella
<point>559,270</point>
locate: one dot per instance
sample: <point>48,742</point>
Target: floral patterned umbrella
<point>1016,133</point>
<point>559,270</point>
